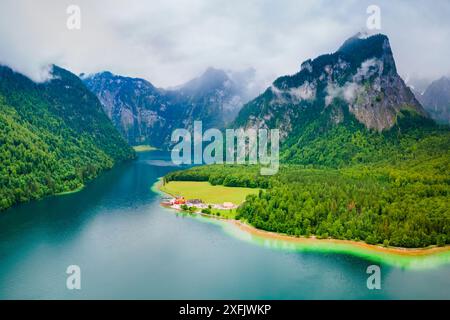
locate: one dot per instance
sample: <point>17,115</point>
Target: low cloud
<point>347,92</point>
<point>350,89</point>
<point>368,68</point>
<point>169,42</point>
<point>306,91</point>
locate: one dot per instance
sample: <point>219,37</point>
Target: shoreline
<point>414,252</point>
<point>315,242</point>
<point>144,148</point>
<point>64,193</point>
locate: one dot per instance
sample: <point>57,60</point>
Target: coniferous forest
<point>54,136</point>
<point>389,188</point>
<point>341,178</point>
<point>362,159</point>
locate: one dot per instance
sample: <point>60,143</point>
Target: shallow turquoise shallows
<point>128,247</point>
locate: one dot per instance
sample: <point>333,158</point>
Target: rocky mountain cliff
<point>360,78</point>
<point>146,114</point>
<point>348,107</point>
<point>141,112</point>
<point>436,100</point>
<point>217,96</point>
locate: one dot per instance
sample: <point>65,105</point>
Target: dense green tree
<point>398,195</point>
<point>54,137</point>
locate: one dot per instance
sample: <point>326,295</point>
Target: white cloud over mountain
<point>169,42</point>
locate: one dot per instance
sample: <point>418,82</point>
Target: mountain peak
<point>145,114</point>
<point>211,71</point>
<point>360,75</point>
<point>360,49</point>
<point>364,42</point>
<point>213,74</point>
<point>211,79</point>
<point>104,77</point>
<point>436,100</point>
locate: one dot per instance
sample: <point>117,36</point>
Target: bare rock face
<point>139,110</point>
<point>361,75</point>
<point>436,100</point>
<point>376,105</point>
<point>145,114</point>
<point>379,92</point>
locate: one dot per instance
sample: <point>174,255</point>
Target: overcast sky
<point>169,42</point>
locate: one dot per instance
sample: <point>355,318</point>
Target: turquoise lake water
<point>128,247</point>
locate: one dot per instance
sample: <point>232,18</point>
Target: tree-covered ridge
<point>397,197</point>
<point>54,136</point>
<point>319,140</point>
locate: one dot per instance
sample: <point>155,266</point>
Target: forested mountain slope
<point>54,136</point>
<point>361,159</point>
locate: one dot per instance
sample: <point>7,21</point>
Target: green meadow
<point>207,192</point>
<point>143,148</point>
